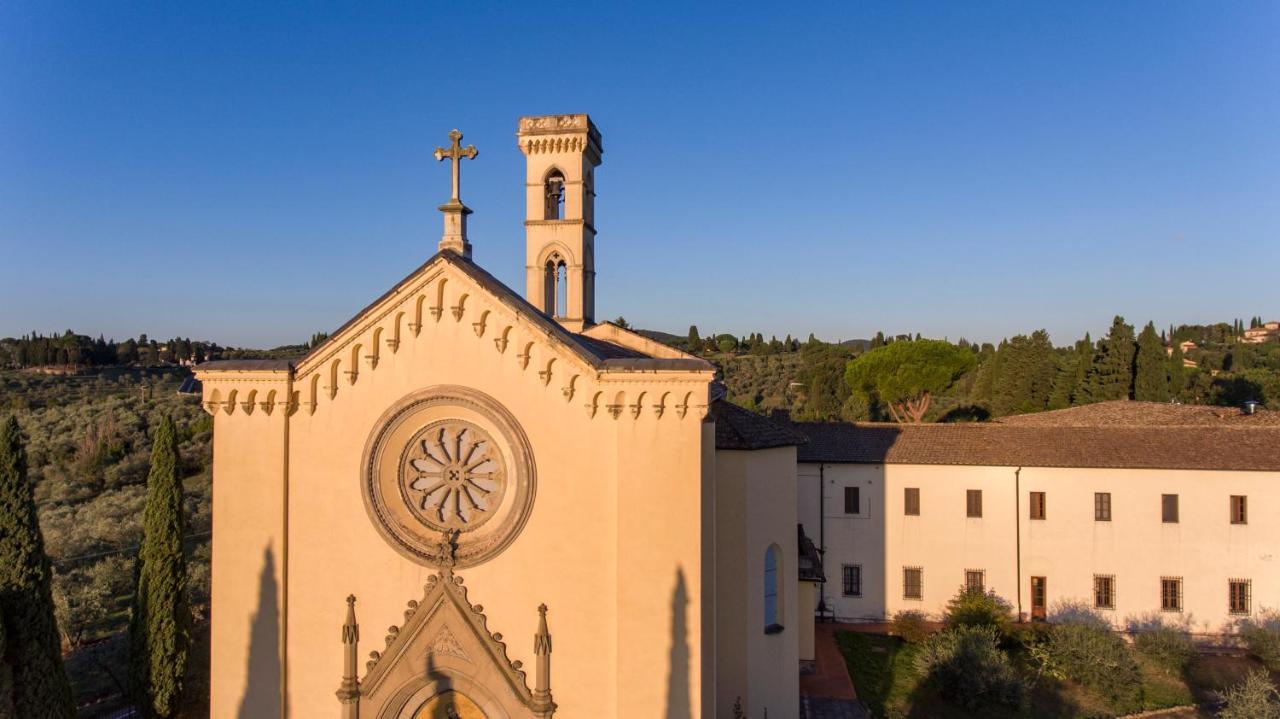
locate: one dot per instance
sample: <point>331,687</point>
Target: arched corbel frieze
<point>479,324</point>
<point>393,342</point>
<point>569,388</point>
<point>593,404</point>
<point>460,308</point>
<point>437,310</point>
<point>416,325</point>
<point>545,373</point>
<point>500,342</point>
<point>683,408</point>
<point>615,407</point>
<point>214,403</point>
<point>375,348</point>
<point>313,399</point>
<point>353,368</point>
<point>334,367</point>
<point>249,402</point>
<point>661,405</point>
<point>637,406</point>
<point>525,355</point>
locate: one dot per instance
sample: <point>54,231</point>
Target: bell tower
<point>561,153</point>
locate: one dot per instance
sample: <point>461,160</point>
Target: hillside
<point>88,446</point>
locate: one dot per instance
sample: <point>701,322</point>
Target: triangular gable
<point>445,645</point>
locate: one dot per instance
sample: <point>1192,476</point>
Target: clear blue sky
<point>251,173</point>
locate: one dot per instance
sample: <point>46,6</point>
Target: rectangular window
<point>1169,508</point>
<point>1238,595</point>
<point>851,503</point>
<point>1037,505</point>
<point>1171,594</point>
<point>1104,591</point>
<point>912,583</point>
<point>852,580</point>
<point>1239,509</point>
<point>975,580</point>
<point>911,501</point>
<point>973,503</point>
<point>1102,506</point>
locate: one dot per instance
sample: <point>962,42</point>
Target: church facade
<point>474,502</point>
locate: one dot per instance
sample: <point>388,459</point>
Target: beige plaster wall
<point>756,507</point>
<point>613,544</point>
<point>248,551</point>
<point>1067,548</point>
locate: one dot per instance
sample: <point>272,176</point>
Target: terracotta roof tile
<point>1004,444</point>
<point>738,428</point>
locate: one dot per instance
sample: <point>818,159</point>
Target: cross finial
<point>455,213</point>
<point>455,153</point>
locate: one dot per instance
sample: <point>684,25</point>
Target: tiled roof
<point>1144,414</point>
<point>738,428</point>
<point>1012,445</point>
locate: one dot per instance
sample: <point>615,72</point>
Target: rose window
<point>453,476</point>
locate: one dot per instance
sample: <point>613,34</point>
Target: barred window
<point>1104,591</point>
<point>1239,597</point>
<point>1102,506</point>
<point>1037,505</point>
<point>852,580</point>
<point>1171,594</point>
<point>912,583</point>
<point>975,580</point>
<point>1169,508</point>
<point>852,500</point>
<point>1239,509</point>
<point>973,503</point>
<point>911,501</point>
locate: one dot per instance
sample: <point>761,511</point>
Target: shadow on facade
<point>262,686</point>
<point>678,700</point>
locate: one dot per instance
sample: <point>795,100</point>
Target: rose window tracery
<point>449,477</point>
<point>453,476</point>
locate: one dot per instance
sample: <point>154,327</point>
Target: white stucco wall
<point>1068,547</point>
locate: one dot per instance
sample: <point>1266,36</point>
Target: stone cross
<point>455,153</point>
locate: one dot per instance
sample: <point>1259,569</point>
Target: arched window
<point>555,286</point>
<point>553,188</point>
<point>562,290</point>
<point>772,589</point>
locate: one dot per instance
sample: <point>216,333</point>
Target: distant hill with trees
<point>1020,374</point>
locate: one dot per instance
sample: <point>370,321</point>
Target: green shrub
<point>1262,635</point>
<point>1075,611</point>
<point>976,608</point>
<point>969,668</point>
<point>910,625</point>
<point>1098,659</point>
<point>1253,698</point>
<point>1170,646</point>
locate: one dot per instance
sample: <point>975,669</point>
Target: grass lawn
<point>884,673</point>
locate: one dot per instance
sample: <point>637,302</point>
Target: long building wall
<point>1068,548</point>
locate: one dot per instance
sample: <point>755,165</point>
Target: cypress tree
<point>159,626</point>
<point>1151,374</point>
<point>695,341</point>
<point>1176,372</point>
<point>32,651</point>
<point>1111,372</point>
